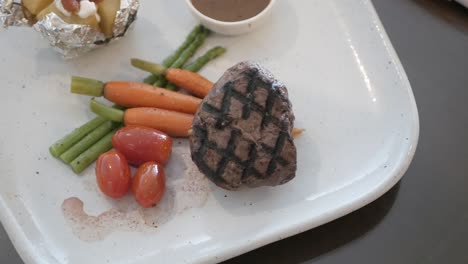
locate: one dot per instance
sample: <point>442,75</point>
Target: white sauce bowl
<point>232,28</point>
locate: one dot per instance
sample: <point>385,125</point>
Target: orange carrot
<point>133,94</point>
<point>173,123</point>
<point>190,81</point>
<point>297,132</point>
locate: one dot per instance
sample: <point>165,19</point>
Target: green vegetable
<point>105,111</point>
<point>190,51</point>
<point>161,82</point>
<point>185,56</point>
<point>84,145</point>
<point>201,61</point>
<point>156,69</point>
<point>81,85</point>
<point>188,41</point>
<point>86,142</point>
<point>153,79</point>
<point>90,155</point>
<point>172,87</point>
<point>62,145</point>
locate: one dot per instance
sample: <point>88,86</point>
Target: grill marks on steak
<point>242,131</point>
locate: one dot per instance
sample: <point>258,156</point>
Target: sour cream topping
<point>87,9</point>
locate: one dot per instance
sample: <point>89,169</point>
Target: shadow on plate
<point>451,12</point>
<point>321,240</point>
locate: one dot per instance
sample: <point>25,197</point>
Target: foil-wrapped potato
<point>72,26</point>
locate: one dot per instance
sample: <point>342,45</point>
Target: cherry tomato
<point>149,184</point>
<point>113,174</point>
<point>142,144</point>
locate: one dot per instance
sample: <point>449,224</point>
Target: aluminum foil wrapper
<point>11,14</point>
<point>125,17</point>
<point>71,40</point>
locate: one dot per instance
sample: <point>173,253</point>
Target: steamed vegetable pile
<point>140,124</point>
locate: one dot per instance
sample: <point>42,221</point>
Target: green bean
<point>86,142</point>
<point>90,155</point>
<point>62,145</point>
<point>201,61</point>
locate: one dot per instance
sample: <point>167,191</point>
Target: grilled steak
<point>241,134</point>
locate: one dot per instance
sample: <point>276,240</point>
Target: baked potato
<point>36,6</point>
<point>107,10</point>
<point>72,19</point>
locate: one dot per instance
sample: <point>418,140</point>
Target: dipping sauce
<point>230,10</point>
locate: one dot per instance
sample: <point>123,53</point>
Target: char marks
<point>243,111</point>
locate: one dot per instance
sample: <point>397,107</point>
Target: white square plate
<point>349,91</point>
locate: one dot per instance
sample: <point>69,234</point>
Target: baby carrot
<point>173,123</point>
<point>297,132</point>
<point>134,94</point>
<point>190,81</point>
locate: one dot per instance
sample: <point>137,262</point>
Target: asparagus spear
<point>189,39</point>
<point>59,147</point>
<point>201,61</point>
<point>151,79</point>
<point>185,56</point>
<point>172,87</point>
<point>190,51</point>
<point>90,155</point>
<point>86,142</point>
<point>172,58</point>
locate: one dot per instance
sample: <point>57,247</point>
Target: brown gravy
<point>230,10</point>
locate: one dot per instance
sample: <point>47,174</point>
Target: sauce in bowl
<point>230,10</point>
